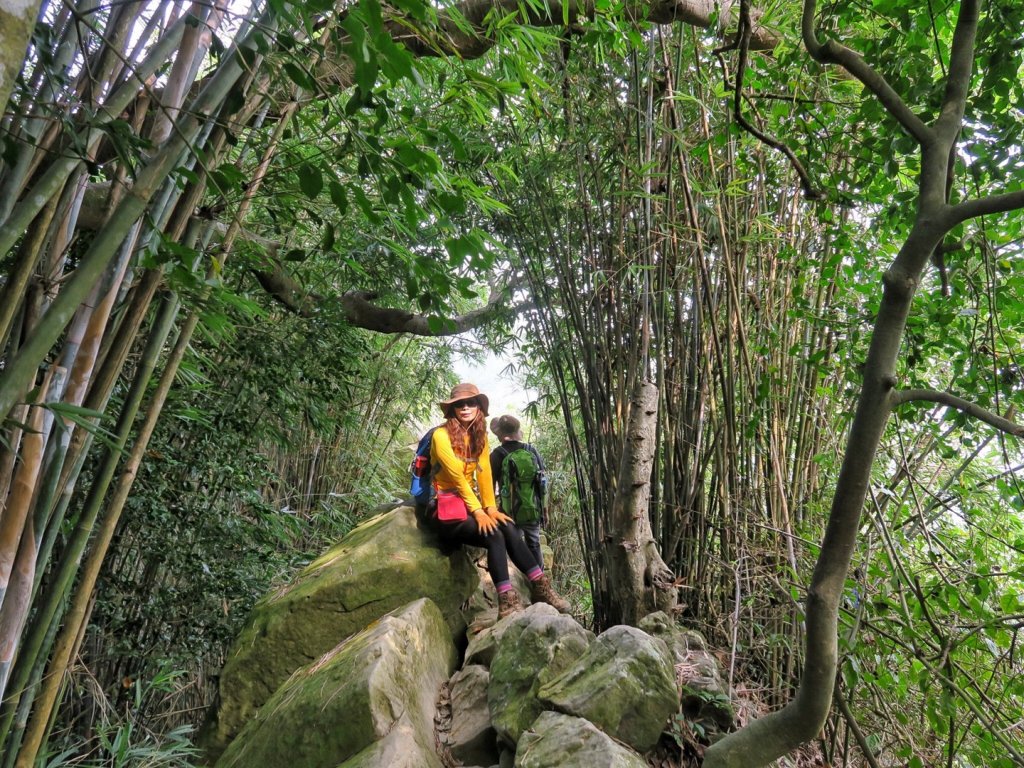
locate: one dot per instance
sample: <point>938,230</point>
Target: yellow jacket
<point>455,474</point>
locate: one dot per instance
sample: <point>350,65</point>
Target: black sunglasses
<point>464,403</point>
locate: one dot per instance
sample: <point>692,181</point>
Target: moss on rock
<point>624,683</point>
<point>378,685</point>
<point>383,564</point>
<point>537,646</point>
<point>555,740</point>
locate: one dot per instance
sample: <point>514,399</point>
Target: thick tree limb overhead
<point>985,206</point>
<point>833,52</point>
<point>357,306</point>
<point>462,32</point>
<point>451,38</point>
<point>360,311</point>
<point>958,403</point>
<point>287,291</point>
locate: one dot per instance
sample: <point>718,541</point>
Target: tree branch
<point>970,209</point>
<point>831,52</point>
<point>359,310</point>
<point>853,725</point>
<point>451,37</point>
<point>286,290</point>
<point>958,403</point>
<point>961,64</point>
<point>462,31</point>
<point>745,27</point>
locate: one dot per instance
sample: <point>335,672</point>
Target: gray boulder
<point>624,683</point>
<point>384,563</point>
<point>680,640</point>
<point>471,738</point>
<point>704,697</point>
<point>370,698</point>
<point>484,643</point>
<point>555,740</point>
<point>403,747</point>
<point>536,646</point>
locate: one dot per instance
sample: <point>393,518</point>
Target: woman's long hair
<point>477,432</point>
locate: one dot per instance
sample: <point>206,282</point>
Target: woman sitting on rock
<point>459,451</point>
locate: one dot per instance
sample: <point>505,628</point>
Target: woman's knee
<point>495,544</point>
<point>509,532</point>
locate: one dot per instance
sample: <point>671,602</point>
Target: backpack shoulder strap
<point>501,452</point>
<point>541,477</point>
<point>536,455</point>
<point>429,437</point>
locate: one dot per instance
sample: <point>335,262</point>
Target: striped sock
<point>535,573</point>
<point>503,587</point>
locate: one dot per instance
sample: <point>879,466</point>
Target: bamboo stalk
<point>32,643</point>
<point>17,539</point>
<point>54,178</point>
<point>15,377</point>
<point>81,601</point>
<point>69,565</point>
<point>9,453</point>
<point>12,295</point>
<point>36,728</point>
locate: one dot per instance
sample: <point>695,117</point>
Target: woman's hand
<point>484,522</point>
<point>498,518</point>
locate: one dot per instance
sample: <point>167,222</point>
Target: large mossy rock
<point>404,747</point>
<point>555,740</point>
<point>624,683</point>
<point>484,644</point>
<point>536,646</point>
<point>384,563</point>
<point>365,703</point>
<point>471,738</point>
<point>704,697</point>
<point>680,640</point>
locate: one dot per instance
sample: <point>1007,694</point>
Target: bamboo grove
<point>690,263</point>
<point>660,194</point>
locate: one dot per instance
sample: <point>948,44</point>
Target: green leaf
<point>338,196</point>
<point>460,249</point>
<point>365,205</point>
<point>88,419</point>
<point>311,180</point>
<point>300,76</point>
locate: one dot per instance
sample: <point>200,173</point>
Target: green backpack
<point>521,486</point>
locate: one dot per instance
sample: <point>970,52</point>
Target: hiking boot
<point>541,591</point>
<point>508,603</point>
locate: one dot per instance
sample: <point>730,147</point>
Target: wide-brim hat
<point>466,391</point>
<point>507,427</point>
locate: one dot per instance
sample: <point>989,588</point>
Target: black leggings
<point>507,542</point>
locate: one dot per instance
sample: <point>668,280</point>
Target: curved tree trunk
<point>801,720</point>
